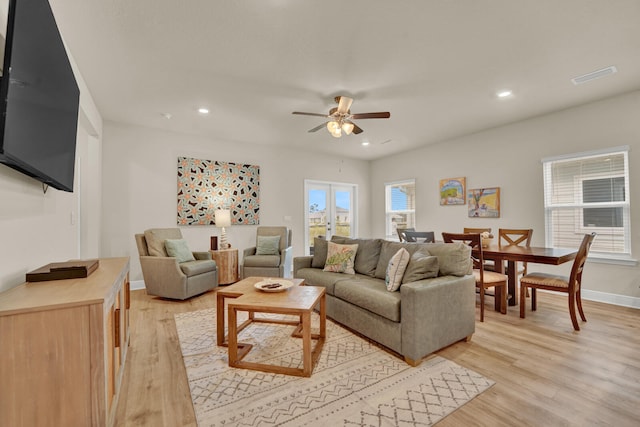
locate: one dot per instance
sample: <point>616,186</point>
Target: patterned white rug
<point>355,383</point>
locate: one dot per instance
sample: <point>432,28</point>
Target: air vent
<point>594,75</point>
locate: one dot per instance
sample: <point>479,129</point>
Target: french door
<point>329,211</point>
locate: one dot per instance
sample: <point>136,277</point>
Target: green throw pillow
<point>178,248</point>
<point>268,245</point>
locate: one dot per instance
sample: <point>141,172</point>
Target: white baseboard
<point>136,285</point>
<point>615,299</point>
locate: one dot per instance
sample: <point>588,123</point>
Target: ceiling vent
<point>594,75</point>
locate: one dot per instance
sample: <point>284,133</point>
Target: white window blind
<point>400,206</point>
<point>589,192</point>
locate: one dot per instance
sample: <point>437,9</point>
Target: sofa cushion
<point>179,249</point>
<point>319,253</point>
<point>396,269</point>
<point>370,294</point>
<point>155,238</point>
<point>268,245</point>
<point>367,256</point>
<point>340,258</point>
<point>261,261</point>
<point>193,268</point>
<point>389,249</point>
<point>421,266</point>
<point>326,279</point>
<point>453,258</point>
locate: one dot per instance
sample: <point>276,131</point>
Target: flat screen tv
<point>39,97</point>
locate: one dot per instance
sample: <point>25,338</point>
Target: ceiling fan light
<point>347,128</point>
<point>336,133</point>
<point>333,126</point>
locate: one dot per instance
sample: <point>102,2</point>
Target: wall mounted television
<point>39,97</point>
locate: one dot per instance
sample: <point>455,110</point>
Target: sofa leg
<point>468,338</point>
<point>412,362</point>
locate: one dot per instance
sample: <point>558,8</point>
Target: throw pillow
<point>421,266</point>
<point>319,252</point>
<point>340,258</point>
<point>178,248</point>
<point>268,245</point>
<point>395,270</point>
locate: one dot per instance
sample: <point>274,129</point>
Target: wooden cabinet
<point>227,262</point>
<point>63,345</point>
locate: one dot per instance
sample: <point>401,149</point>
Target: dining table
<point>513,254</point>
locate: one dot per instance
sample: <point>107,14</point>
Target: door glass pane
<point>342,220</point>
<point>317,215</point>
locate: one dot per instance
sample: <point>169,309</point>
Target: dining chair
<point>570,285</point>
<point>516,237</point>
<point>488,265</point>
<point>425,236</point>
<point>401,231</point>
<point>484,279</point>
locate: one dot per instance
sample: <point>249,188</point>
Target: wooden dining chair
<point>484,279</point>
<point>516,237</point>
<point>425,236</point>
<point>401,231</point>
<point>570,285</point>
<point>488,265</point>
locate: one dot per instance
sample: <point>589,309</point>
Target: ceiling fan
<point>341,118</point>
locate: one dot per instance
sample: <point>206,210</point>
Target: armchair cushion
<point>268,245</point>
<point>193,268</point>
<point>155,238</point>
<point>178,248</point>
<point>262,261</point>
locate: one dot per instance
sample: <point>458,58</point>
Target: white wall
<point>509,157</point>
<point>39,228</point>
<point>140,186</point>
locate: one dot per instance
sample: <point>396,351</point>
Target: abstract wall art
<point>452,191</point>
<point>484,202</point>
<point>207,185</point>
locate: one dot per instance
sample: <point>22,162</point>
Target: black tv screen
<point>39,97</point>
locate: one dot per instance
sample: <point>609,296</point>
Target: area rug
<point>355,383</point>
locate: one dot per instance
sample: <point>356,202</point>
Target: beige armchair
<point>164,276</point>
<point>272,265</point>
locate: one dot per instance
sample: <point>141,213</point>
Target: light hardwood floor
<point>546,374</point>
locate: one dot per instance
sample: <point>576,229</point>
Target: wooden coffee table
<point>297,300</point>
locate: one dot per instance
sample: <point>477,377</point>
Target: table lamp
<point>223,219</point>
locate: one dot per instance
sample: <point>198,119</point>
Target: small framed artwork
<point>484,202</point>
<point>452,191</point>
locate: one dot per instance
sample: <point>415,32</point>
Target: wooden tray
<point>63,270</point>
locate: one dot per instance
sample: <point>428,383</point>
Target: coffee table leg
<point>323,317</point>
<point>232,337</point>
<point>220,319</point>
<point>306,343</point>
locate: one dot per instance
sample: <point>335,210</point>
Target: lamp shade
<point>223,218</point>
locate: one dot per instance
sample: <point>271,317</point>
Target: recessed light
<point>203,110</point>
<point>504,93</point>
<point>365,143</point>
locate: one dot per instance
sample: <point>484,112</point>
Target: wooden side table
<point>227,261</point>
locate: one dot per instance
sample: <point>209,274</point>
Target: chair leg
<point>534,300</point>
<point>504,295</point>
<point>523,301</point>
<point>572,311</point>
<point>482,303</point>
<point>579,302</point>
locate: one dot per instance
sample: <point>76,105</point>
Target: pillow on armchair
<point>178,248</point>
<point>268,245</point>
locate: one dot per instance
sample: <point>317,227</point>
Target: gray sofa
<point>420,318</point>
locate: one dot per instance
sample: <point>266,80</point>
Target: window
<point>400,202</point>
<point>589,192</point>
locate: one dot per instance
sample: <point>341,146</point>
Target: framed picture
<point>484,202</point>
<point>452,191</point>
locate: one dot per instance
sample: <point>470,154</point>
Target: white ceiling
<point>435,65</point>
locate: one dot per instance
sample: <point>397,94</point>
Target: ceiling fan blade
<point>356,129</point>
<point>317,128</point>
<point>310,114</point>
<point>380,115</point>
<point>344,104</point>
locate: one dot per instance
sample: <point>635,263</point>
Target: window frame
<point>389,232</point>
<point>622,257</point>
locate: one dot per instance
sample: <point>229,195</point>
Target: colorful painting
<point>452,191</point>
<point>207,185</point>
<point>484,203</point>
